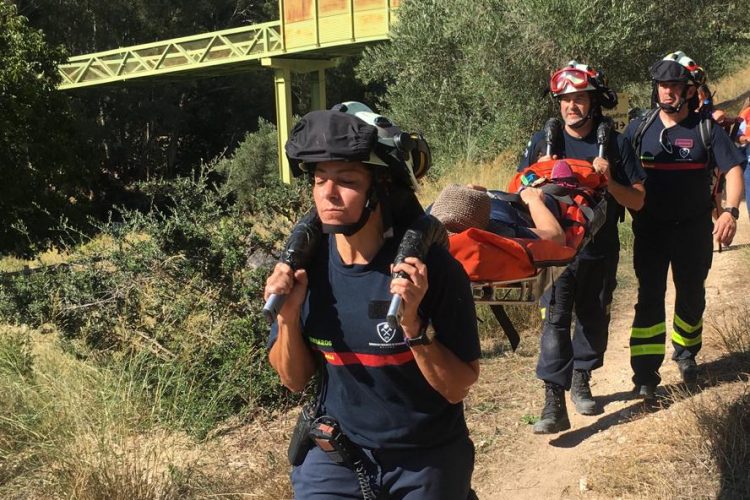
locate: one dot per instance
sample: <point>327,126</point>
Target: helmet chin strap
<point>668,108</point>
<point>580,123</point>
<point>375,196</point>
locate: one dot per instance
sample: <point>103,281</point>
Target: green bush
<point>253,166</point>
<point>172,298</point>
<point>476,88</point>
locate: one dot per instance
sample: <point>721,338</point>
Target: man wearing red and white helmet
<point>679,152</point>
<point>586,286</point>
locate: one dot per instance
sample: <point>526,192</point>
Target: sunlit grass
<point>493,175</point>
<point>88,432</point>
<point>733,88</point>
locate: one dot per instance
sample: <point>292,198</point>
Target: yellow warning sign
<point>619,115</point>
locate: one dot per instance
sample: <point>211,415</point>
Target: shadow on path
<point>730,368</point>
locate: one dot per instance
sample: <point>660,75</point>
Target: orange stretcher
<point>516,271</point>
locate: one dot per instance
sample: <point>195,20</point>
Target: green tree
<point>155,128</point>
<point>41,179</point>
<point>472,73</point>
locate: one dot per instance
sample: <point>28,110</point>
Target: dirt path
<point>513,463</point>
<point>521,465</point>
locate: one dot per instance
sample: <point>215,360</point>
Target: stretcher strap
<point>507,325</point>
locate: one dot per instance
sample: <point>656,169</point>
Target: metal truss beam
<point>193,53</point>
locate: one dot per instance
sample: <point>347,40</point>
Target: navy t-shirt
<point>374,386</point>
<point>624,169</point>
<point>678,183</point>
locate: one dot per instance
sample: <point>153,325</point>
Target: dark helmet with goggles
<point>677,67</point>
<point>351,131</point>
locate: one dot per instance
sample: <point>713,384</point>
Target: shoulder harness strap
<point>706,124</point>
<point>646,122</point>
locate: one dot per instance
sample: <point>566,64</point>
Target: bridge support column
<point>283,90</point>
<point>283,69</point>
<point>318,91</point>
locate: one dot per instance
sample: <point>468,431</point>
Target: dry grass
<point>55,256</point>
<point>732,90</point>
<point>493,175</point>
<point>71,430</point>
<point>698,445</point>
<point>732,328</point>
<point>697,448</point>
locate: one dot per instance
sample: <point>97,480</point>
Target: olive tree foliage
<point>472,73</point>
<point>40,174</point>
<point>155,127</point>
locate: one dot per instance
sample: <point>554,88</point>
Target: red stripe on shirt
<point>674,166</point>
<point>355,358</point>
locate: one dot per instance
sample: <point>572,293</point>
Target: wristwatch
<point>734,211</point>
<point>426,333</point>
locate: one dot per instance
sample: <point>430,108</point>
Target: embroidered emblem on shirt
<point>684,152</point>
<point>385,332</point>
<point>683,143</point>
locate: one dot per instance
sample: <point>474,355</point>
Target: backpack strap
<point>557,192</point>
<point>705,126</point>
<point>646,122</point>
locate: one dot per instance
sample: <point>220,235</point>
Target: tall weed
<point>73,430</point>
<point>733,330</point>
<point>172,298</point>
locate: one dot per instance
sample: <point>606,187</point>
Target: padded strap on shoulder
<point>646,122</point>
<point>556,191</point>
<point>705,126</point>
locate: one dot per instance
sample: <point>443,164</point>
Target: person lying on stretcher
<point>462,207</point>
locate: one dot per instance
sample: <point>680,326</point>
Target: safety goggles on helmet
<point>572,78</point>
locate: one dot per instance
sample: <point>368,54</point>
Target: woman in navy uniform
<point>396,393</point>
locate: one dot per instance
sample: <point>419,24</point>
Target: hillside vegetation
<point>138,224</point>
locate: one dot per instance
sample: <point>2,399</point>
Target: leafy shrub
<point>172,298</point>
<point>253,166</point>
<point>477,88</point>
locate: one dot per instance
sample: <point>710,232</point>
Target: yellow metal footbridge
<point>310,36</point>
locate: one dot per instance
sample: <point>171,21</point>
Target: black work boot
<point>555,414</point>
<point>688,369</point>
<point>647,392</point>
<point>580,393</point>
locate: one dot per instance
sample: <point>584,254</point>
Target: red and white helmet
<point>574,77</point>
<point>577,77</point>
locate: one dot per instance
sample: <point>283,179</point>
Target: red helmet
<point>574,77</point>
<point>577,77</point>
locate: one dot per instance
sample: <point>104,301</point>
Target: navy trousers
<point>584,288</point>
<point>437,473</point>
<point>688,247</point>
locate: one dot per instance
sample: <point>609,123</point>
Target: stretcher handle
<point>602,135</point>
<point>421,235</point>
<point>395,311</point>
<point>552,130</point>
<point>298,253</point>
<point>273,306</point>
